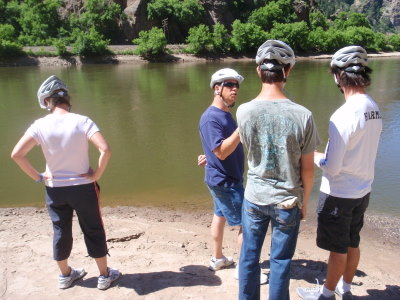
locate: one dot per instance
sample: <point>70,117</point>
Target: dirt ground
<point>164,254</point>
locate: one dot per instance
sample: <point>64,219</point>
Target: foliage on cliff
<point>219,27</point>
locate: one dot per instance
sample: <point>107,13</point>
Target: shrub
<point>280,11</point>
<point>39,21</point>
<point>380,42</point>
<point>330,40</point>
<point>199,40</point>
<point>294,34</point>
<point>185,12</point>
<point>100,15</point>
<point>7,32</point>
<point>10,48</point>
<point>151,43</point>
<point>394,41</point>
<point>351,19</point>
<point>361,36</point>
<point>220,39</point>
<point>61,47</point>
<point>318,19</point>
<point>89,43</point>
<point>247,37</point>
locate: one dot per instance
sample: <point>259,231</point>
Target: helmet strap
<point>223,100</point>
<point>226,104</point>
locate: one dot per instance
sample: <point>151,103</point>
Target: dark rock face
<point>136,11</point>
<point>391,10</point>
<point>382,9</point>
<point>302,9</point>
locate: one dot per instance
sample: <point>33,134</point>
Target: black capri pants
<point>84,199</point>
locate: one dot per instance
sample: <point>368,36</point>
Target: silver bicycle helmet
<point>275,50</point>
<point>48,87</point>
<point>225,74</point>
<point>351,55</point>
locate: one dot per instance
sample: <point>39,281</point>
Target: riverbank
<point>176,56</point>
<point>163,254</point>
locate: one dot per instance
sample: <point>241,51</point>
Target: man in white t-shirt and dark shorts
<point>348,172</point>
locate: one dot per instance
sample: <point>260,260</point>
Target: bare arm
<point>307,178</point>
<point>228,146</point>
<point>21,149</point>
<point>105,153</point>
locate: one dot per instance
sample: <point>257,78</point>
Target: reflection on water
<point>149,114</point>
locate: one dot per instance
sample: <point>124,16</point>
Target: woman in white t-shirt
<point>71,185</point>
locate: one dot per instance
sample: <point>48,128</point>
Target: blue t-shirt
<point>215,126</point>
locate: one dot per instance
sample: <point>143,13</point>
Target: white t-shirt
<point>64,141</point>
<point>354,132</point>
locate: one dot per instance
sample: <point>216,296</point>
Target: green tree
<point>61,46</point>
<point>280,11</point>
<point>8,45</point>
<point>318,19</point>
<point>220,39</point>
<point>186,12</point>
<point>7,32</point>
<point>90,43</point>
<point>199,40</point>
<point>151,43</point>
<point>39,21</point>
<point>247,37</point>
<point>9,13</point>
<point>295,34</point>
<point>361,36</point>
<point>190,12</point>
<point>351,19</point>
<point>320,40</point>
<point>103,15</point>
<point>394,41</point>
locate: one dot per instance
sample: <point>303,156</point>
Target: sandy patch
<point>164,254</point>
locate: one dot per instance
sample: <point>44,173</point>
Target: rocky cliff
<point>220,11</point>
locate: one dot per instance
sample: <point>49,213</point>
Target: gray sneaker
<point>104,282</point>
<point>65,282</point>
<point>313,294</point>
<point>344,296</point>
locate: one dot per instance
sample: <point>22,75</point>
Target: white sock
<point>327,293</point>
<point>343,286</point>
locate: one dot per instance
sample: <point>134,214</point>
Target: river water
<point>149,114</point>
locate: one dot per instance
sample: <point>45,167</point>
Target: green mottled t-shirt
<point>275,134</point>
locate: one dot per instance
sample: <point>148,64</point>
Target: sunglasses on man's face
<point>230,84</point>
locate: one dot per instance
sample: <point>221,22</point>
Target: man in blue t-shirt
<point>223,160</point>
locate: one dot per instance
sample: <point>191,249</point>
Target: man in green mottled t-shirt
<point>280,137</point>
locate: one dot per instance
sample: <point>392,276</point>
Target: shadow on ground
<point>317,270</point>
<point>147,283</point>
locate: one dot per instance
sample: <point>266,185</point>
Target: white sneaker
<point>263,277</point>
<point>313,293</point>
<point>217,264</point>
<point>104,282</point>
<point>65,282</point>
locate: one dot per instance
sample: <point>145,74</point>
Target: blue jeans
<point>285,228</point>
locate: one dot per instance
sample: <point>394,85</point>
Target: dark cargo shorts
<point>340,221</point>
